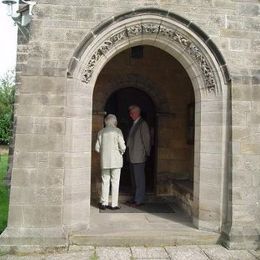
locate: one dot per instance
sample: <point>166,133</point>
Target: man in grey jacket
<point>138,143</point>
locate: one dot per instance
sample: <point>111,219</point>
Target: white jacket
<point>111,146</point>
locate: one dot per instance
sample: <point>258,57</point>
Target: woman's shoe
<point>102,207</point>
<point>114,208</point>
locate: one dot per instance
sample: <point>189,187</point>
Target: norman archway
<point>127,79</point>
<point>207,71</point>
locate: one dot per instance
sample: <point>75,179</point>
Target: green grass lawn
<point>4,193</point>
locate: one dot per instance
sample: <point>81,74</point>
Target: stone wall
<point>42,150</point>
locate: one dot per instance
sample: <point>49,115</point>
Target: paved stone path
<point>207,252</point>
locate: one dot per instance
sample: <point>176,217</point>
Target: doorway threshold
<point>142,229</point>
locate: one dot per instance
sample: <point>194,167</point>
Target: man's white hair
<point>111,120</point>
<point>135,108</point>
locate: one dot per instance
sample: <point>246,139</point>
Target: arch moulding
<point>208,73</point>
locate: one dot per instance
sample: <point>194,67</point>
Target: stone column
<point>209,163</point>
<point>36,196</point>
<point>241,229</point>
<point>77,184</point>
<point>97,125</point>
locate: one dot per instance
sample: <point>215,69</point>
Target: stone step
<point>143,228</point>
<point>140,238</point>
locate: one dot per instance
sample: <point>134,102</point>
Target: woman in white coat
<point>111,146</point>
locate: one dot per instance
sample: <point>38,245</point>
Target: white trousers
<point>108,175</point>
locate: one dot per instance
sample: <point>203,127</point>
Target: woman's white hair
<point>110,120</point>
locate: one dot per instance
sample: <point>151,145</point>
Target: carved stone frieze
<point>118,37</point>
<point>150,28</point>
<point>91,65</point>
<point>201,60</point>
<point>174,35</point>
<point>134,30</point>
<point>153,29</point>
<point>107,45</point>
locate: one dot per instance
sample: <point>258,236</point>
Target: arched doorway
<point>209,77</point>
<point>159,84</point>
<point>118,104</point>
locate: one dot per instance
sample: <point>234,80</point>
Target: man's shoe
<point>136,205</point>
<point>130,202</point>
<point>114,208</point>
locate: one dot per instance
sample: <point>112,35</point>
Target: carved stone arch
<point>209,77</point>
<point>159,24</point>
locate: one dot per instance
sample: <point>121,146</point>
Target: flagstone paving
<point>207,252</point>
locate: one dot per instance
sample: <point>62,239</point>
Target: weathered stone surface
<point>151,252</point>
<point>85,14</point>
<point>113,253</point>
<point>55,125</point>
<point>186,252</point>
<point>179,252</point>
<point>86,254</point>
<point>249,10</point>
<point>216,252</point>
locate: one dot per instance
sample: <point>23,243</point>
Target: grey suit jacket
<point>138,142</point>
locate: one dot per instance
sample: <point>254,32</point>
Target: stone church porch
<point>199,99</point>
<point>111,228</point>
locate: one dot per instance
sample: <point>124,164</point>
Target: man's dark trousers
<point>138,181</point>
